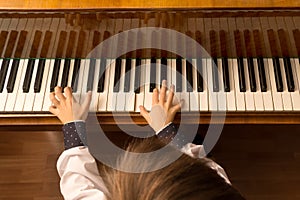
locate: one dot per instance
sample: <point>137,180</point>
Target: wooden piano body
<point>87,15</point>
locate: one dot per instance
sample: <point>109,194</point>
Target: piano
<point>252,73</point>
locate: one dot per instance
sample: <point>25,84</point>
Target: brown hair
<point>185,178</point>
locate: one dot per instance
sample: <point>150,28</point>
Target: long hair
<point>185,178</point>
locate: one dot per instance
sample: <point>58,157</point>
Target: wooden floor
<point>263,162</point>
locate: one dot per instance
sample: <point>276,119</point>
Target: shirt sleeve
<point>79,175</point>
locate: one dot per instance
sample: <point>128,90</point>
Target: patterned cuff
<point>74,134</point>
<point>169,134</point>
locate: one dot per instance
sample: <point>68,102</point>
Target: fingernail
<point>172,87</point>
<point>164,82</point>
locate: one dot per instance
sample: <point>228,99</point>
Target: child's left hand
<point>66,108</point>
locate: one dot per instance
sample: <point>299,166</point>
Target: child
<point>189,177</point>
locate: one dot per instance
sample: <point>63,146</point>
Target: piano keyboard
<point>257,62</point>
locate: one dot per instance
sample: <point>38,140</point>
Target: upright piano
<point>250,74</point>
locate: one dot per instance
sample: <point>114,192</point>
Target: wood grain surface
<point>117,4</point>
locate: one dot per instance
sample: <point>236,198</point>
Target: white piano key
<point>203,96</point>
<point>231,99</point>
<point>267,96</point>
<point>240,97</point>
<point>121,95</point>
<point>139,98</point>
<point>47,102</point>
<point>248,94</point>
<point>72,62</point>
<point>102,103</point>
<point>148,95</point>
<point>296,94</point>
<point>194,97</point>
<point>212,96</point>
<point>130,96</point>
<point>83,91</point>
<point>3,94</point>
<point>158,82</point>
<point>176,98</point>
<point>39,97</point>
<point>111,97</point>
<point>61,70</point>
<point>184,95</point>
<point>169,72</point>
<point>286,97</point>
<point>20,99</point>
<point>258,96</point>
<point>222,101</point>
<point>95,94</point>
<point>11,97</point>
<point>277,99</point>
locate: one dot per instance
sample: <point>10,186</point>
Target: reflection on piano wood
<point>256,54</point>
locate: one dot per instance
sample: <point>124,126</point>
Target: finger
<point>155,97</point>
<point>170,96</point>
<point>53,110</point>
<point>59,94</point>
<point>177,107</point>
<point>144,113</point>
<point>53,99</point>
<point>87,101</point>
<point>68,92</point>
<point>162,95</point>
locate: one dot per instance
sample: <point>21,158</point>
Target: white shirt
<point>80,178</point>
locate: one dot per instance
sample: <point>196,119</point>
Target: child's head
<point>185,178</point>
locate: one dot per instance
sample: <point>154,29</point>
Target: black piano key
<point>178,75</point>
<point>199,75</point>
<point>226,80</point>
<point>55,74</point>
<point>241,75</point>
<point>75,74</point>
<point>3,37</point>
<point>12,76</point>
<point>39,75</point>
<point>163,69</point>
<point>91,74</point>
<point>289,75</point>
<point>189,75</point>
<point>127,75</point>
<point>3,73</point>
<point>117,75</point>
<point>65,75</point>
<point>28,75</point>
<point>277,72</point>
<point>137,80</point>
<point>262,74</point>
<point>152,74</point>
<point>101,75</point>
<point>286,60</point>
<point>215,75</point>
<point>251,74</point>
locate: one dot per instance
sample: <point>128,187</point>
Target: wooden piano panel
<point>117,4</point>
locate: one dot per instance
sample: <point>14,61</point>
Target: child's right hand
<point>163,111</point>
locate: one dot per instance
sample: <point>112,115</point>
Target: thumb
<point>53,110</point>
<point>145,113</point>
<point>86,103</point>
